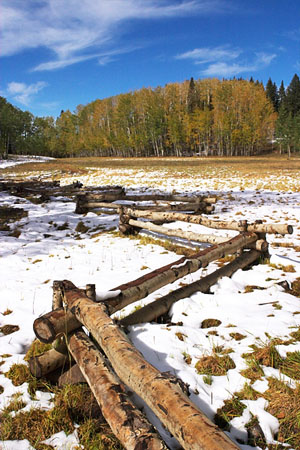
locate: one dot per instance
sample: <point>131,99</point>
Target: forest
<point>205,117</point>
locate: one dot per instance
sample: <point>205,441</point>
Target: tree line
<point>197,117</point>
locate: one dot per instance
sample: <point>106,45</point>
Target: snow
<point>46,251</point>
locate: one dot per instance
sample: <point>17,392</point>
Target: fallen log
<point>161,306</point>
<point>210,223</point>
<point>58,322</point>
<point>127,423</point>
<point>149,283</point>
<point>178,232</point>
<point>203,207</point>
<point>54,324</point>
<point>193,430</point>
<point>47,362</point>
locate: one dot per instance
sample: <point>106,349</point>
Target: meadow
<point>237,347</point>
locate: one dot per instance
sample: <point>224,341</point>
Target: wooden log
<point>188,235</point>
<point>161,306</point>
<point>57,299</point>
<point>218,224</point>
<point>193,430</point>
<point>126,421</point>
<point>260,245</point>
<point>54,324</point>
<point>47,362</point>
<point>152,281</point>
<point>58,322</point>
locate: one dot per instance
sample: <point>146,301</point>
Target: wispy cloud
<point>23,93</point>
<point>225,61</point>
<point>76,30</point>
<point>293,34</point>
<point>206,54</point>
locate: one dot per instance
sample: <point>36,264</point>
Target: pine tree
<point>292,98</point>
<point>272,93</point>
<point>192,97</point>
<point>281,94</point>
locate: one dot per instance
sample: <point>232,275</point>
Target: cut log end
<point>44,330</point>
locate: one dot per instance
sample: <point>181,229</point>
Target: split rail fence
<point>105,357</point>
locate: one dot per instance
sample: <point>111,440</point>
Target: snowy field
<point>49,248</point>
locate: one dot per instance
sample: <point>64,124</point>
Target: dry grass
<point>248,169</point>
<point>214,365</point>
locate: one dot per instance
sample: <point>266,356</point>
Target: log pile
<point>112,200</point>
<point>103,356</point>
<point>108,361</point>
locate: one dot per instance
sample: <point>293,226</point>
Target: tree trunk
<point>167,400</point>
<point>126,421</point>
<point>218,224</point>
<point>161,306</point>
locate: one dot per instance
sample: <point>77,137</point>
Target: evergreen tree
<point>281,94</point>
<point>292,99</point>
<point>272,93</point>
<point>192,97</point>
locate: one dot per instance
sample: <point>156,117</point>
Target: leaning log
<point>162,305</point>
<point>193,430</point>
<point>47,362</point>
<point>58,322</point>
<point>210,223</point>
<point>126,421</point>
<point>143,286</point>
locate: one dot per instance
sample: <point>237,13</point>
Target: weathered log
<point>47,362</point>
<point>178,232</point>
<point>126,421</point>
<point>162,305</point>
<point>58,322</point>
<point>218,224</point>
<point>53,324</point>
<point>203,207</point>
<point>57,299</point>
<point>260,245</point>
<point>193,430</point>
<point>149,283</point>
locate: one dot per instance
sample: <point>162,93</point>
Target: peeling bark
<point>192,429</point>
<point>218,224</point>
<point>161,306</point>
<point>126,421</point>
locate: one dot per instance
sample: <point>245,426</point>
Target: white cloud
<point>23,93</point>
<point>205,54</point>
<point>225,61</point>
<point>75,30</point>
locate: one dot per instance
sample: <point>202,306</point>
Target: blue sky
<point>57,54</point>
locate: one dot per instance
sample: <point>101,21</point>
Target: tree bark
<point>192,429</point>
<point>218,224</point>
<point>161,306</point>
<point>126,421</point>
<point>54,324</point>
<point>142,287</point>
